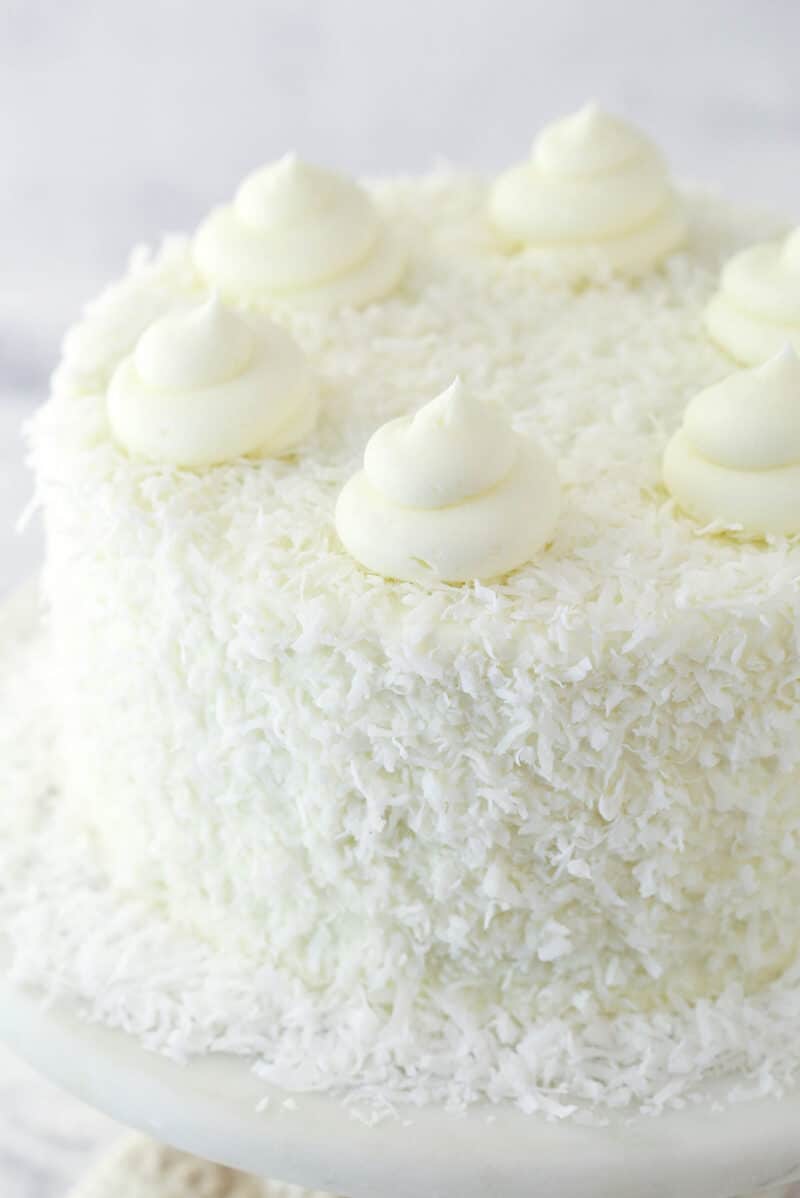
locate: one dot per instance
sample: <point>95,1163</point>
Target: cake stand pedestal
<point>218,1109</point>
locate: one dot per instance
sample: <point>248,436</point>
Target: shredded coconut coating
<point>534,841</point>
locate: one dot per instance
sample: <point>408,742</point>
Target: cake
<point>397,817</point>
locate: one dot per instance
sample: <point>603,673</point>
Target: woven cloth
<point>140,1168</point>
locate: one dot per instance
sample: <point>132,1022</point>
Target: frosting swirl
<point>449,494</point>
<point>595,190</point>
<point>756,309</point>
<point>296,233</point>
<point>736,459</point>
<point>205,384</point>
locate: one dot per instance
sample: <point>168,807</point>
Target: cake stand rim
<point>214,1107</point>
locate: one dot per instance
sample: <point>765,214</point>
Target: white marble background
<point>121,119</point>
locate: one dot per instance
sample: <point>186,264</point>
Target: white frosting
<point>298,233</point>
<point>594,183</point>
<point>756,310</point>
<point>206,384</point>
<point>736,460</point>
<point>451,493</point>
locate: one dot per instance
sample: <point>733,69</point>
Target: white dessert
<point>528,837</point>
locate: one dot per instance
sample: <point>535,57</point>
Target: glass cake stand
<point>216,1108</point>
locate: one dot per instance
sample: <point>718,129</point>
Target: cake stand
<point>217,1108</point>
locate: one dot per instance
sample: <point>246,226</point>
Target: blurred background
<point>121,120</point>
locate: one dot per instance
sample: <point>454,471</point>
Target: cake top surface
<point>600,375</point>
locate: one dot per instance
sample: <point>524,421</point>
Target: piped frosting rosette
<point>449,494</point>
<point>297,234</point>
<point>756,310</point>
<point>206,384</point>
<point>594,197</point>
<point>735,462</point>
